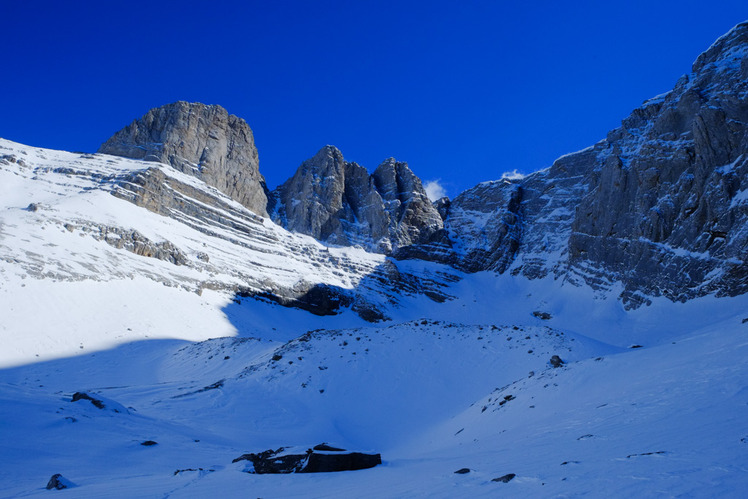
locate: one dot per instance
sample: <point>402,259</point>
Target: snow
<point>740,198</point>
<point>590,148</point>
<point>413,391</point>
<point>699,255</point>
<point>657,99</point>
<point>439,387</point>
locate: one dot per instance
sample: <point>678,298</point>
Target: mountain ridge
<point>658,204</point>
<point>156,328</point>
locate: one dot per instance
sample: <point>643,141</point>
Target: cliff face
<point>203,141</point>
<point>485,225</point>
<point>338,202</point>
<point>666,212</point>
<point>660,205</point>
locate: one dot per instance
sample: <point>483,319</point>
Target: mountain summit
<point>338,202</point>
<point>203,141</point>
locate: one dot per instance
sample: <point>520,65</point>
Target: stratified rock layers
<point>203,141</point>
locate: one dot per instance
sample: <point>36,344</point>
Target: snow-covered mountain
<point>580,330</point>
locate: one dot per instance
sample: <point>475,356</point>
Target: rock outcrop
<point>338,202</point>
<point>59,482</point>
<point>319,459</point>
<point>203,141</point>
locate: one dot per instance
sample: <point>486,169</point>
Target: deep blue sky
<point>462,90</point>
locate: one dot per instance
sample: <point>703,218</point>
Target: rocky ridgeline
<point>660,205</point>
<point>666,211</point>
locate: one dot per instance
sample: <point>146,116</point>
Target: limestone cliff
<point>659,206</point>
<point>666,212</point>
<point>203,141</point>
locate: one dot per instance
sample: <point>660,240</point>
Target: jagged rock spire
<point>338,202</point>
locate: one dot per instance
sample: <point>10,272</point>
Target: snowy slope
<point>154,326</point>
<point>67,241</point>
<point>431,396</point>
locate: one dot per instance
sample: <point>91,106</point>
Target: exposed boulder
<point>84,396</point>
<point>343,461</point>
<point>59,482</point>
<point>504,478</point>
<point>200,140</point>
<point>100,403</point>
<point>556,361</point>
<point>320,459</point>
<point>545,316</point>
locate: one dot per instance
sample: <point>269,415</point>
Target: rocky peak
<point>338,202</point>
<point>328,162</point>
<point>200,140</point>
<point>313,201</point>
<point>413,217</point>
<point>442,206</point>
<point>485,225</point>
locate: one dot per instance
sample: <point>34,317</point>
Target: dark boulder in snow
<point>59,482</point>
<point>198,470</point>
<point>100,403</point>
<point>462,471</point>
<point>84,396</point>
<point>556,361</point>
<point>505,478</point>
<point>343,461</point>
<point>321,459</point>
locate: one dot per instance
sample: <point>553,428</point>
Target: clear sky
<point>462,90</point>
